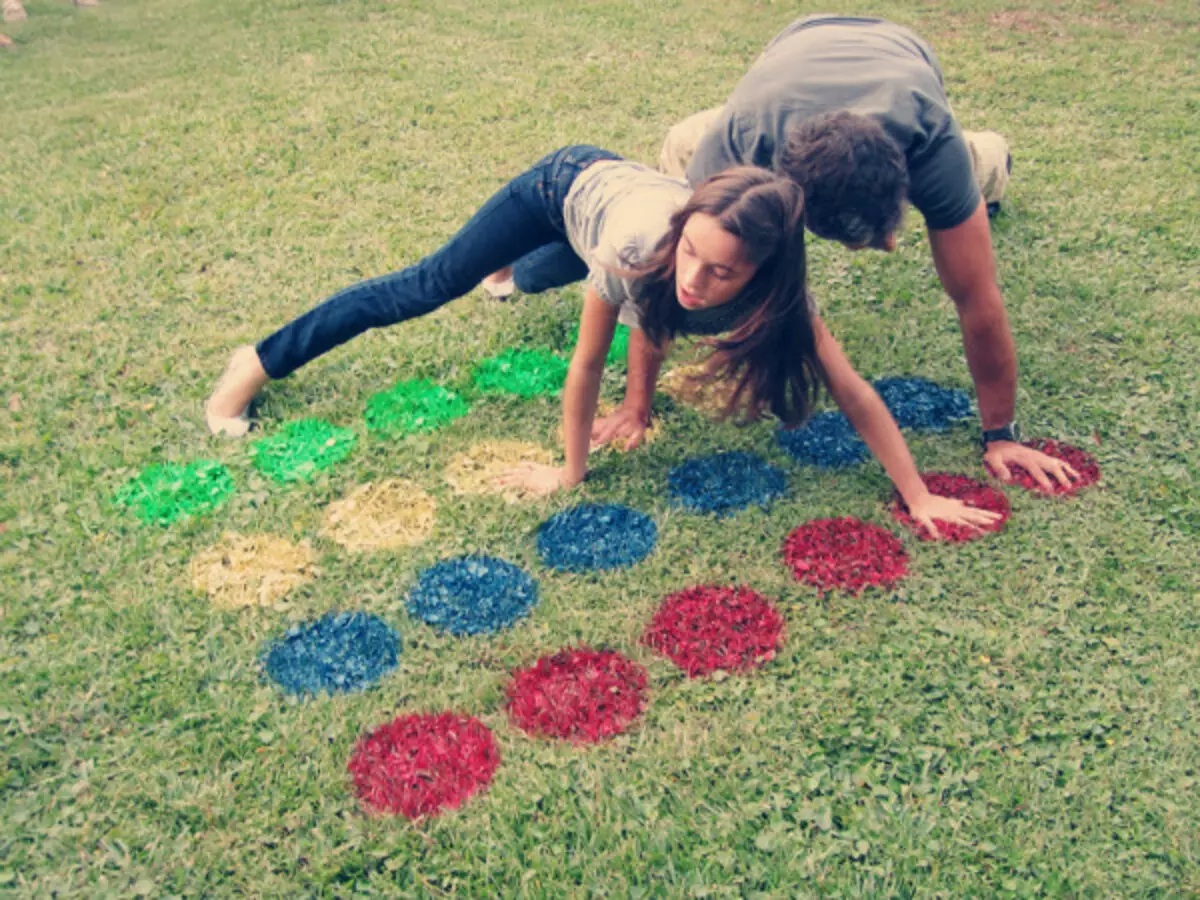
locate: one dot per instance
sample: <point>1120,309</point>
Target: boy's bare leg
<point>14,11</point>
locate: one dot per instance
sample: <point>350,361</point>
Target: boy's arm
<point>966,266</point>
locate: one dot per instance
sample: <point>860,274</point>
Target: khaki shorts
<point>989,153</point>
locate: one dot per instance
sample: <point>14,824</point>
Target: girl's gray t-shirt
<point>615,214</point>
<point>823,64</point>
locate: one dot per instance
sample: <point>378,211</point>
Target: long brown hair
<point>769,354</point>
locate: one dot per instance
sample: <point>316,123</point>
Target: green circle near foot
<point>301,449</point>
<point>414,406</point>
<point>165,493</point>
<point>526,373</point>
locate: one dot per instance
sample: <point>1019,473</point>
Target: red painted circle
<point>971,492</point>
<point>845,554</point>
<point>418,765</point>
<point>579,694</point>
<point>1083,463</point>
<point>706,628</point>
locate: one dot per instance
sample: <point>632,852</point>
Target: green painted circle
<point>301,449</point>
<point>414,406</point>
<point>526,373</point>
<point>165,493</point>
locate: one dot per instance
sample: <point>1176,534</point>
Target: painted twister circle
<point>472,595</point>
<point>725,482</point>
<point>845,554</point>
<point>525,373</point>
<point>477,471</point>
<point>579,695</point>
<point>1081,461</point>
<point>164,494</point>
<point>253,570</point>
<point>827,441</point>
<point>384,515</point>
<point>595,537</point>
<point>419,765</point>
<point>412,407</point>
<point>338,652</point>
<point>301,449</point>
<point>922,405</point>
<point>960,487</point>
<point>686,385</point>
<point>706,628</point>
<point>606,408</point>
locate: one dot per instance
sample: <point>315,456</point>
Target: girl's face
<point>711,267</point>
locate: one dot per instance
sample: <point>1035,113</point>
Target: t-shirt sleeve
<point>715,152</point>
<point>614,288</point>
<point>941,182</point>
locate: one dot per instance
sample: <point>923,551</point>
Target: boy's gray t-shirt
<point>615,214</point>
<point>823,64</point>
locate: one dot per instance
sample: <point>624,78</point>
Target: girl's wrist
<point>914,495</point>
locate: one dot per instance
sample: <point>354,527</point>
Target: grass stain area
<point>1016,718</point>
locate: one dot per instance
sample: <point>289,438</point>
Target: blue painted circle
<point>725,482</point>
<point>337,652</point>
<point>593,536</point>
<point>827,441</point>
<point>921,405</point>
<point>472,595</point>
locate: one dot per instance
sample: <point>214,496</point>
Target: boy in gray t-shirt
<point>854,110</point>
<point>826,64</point>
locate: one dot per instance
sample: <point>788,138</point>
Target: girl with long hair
<point>726,261</point>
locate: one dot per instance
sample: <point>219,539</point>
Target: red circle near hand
<point>845,554</point>
<point>1082,462</point>
<point>960,487</point>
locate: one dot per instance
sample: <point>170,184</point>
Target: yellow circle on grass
<point>252,570</point>
<point>382,515</point>
<point>479,469</point>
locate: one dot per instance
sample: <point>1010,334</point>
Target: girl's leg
<point>509,225</point>
<point>554,265</point>
<point>522,216</point>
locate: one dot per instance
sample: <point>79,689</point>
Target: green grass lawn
<point>1021,718</point>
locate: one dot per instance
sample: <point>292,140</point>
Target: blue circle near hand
<point>827,441</point>
<point>472,595</point>
<point>593,536</point>
<point>725,482</point>
<point>921,405</point>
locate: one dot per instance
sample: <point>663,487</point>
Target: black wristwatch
<point>1009,432</point>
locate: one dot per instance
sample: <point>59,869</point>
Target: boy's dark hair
<point>854,175</point>
<point>769,354</point>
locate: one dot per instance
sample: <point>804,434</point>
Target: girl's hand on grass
<point>950,512</point>
<point>1001,454</point>
<point>625,427</point>
<point>536,478</point>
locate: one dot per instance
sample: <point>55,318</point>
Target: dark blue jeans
<point>554,265</point>
<point>525,215</point>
